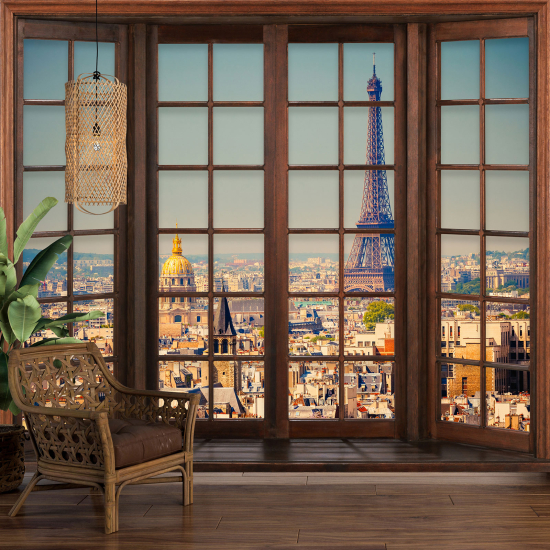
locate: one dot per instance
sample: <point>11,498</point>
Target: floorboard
<point>313,510</point>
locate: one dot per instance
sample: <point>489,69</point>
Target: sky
<point>313,133</point>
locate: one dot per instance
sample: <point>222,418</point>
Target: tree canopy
<point>377,312</point>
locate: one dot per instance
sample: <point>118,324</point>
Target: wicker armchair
<point>89,430</point>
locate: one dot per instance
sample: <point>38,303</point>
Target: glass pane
<point>239,326</point>
<point>85,221</point>
<point>100,331</point>
<point>460,329</point>
<point>55,283</point>
<point>508,329</point>
<point>313,72</point>
<point>238,72</point>
<point>183,72</point>
<point>369,326</point>
<point>460,134</point>
<point>313,199</point>
<point>183,326</point>
<point>368,198</point>
<point>313,263</point>
<point>178,188</point>
<point>36,187</point>
<point>227,380</point>
<point>460,70</point>
<point>85,56</point>
<point>252,395</point>
<point>51,311</point>
<point>46,69</point>
<point>239,135</point>
<point>369,390</point>
<point>313,390</point>
<point>186,376</point>
<point>93,261</point>
<point>507,200</point>
<point>460,199</point>
<point>369,263</point>
<point>358,59</point>
<point>238,198</point>
<point>239,263</point>
<point>183,263</point>
<point>508,399</point>
<point>460,393</point>
<point>460,264</point>
<point>183,135</point>
<point>507,68</point>
<point>507,265</point>
<point>360,123</point>
<point>313,326</point>
<point>313,135</point>
<point>507,134</point>
<point>43,135</point>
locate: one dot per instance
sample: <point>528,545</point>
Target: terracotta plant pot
<point>12,457</point>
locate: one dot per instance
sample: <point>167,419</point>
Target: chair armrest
<point>71,437</point>
<point>154,405</point>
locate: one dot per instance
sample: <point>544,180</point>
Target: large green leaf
<point>27,290</point>
<point>61,332</point>
<point>3,234</point>
<point>26,229</point>
<point>8,269</point>
<point>74,318</point>
<point>56,341</point>
<point>7,333</point>
<point>3,281</point>
<point>43,261</point>
<point>23,314</point>
<point>14,409</point>
<point>5,395</point>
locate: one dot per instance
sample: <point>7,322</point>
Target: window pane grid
<point>485,382</point>
<point>329,363</point>
<point>70,299</point>
<point>216,364</point>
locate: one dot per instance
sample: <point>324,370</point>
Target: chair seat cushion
<point>137,441</point>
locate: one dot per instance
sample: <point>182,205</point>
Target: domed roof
<point>177,264</point>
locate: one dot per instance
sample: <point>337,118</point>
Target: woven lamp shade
<point>95,120</point>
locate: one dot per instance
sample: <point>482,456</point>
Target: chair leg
<point>189,492</point>
<point>110,509</point>
<point>28,489</point>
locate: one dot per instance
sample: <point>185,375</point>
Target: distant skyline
<point>238,136</point>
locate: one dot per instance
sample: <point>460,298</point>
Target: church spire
<point>176,249</point>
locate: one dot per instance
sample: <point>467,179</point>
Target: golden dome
<point>177,264</point>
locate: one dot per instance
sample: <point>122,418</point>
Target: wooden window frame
<point>421,319</point>
<point>479,30</point>
<point>70,32</point>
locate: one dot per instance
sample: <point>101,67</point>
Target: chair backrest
<point>74,376</point>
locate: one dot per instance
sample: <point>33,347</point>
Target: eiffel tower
<point>370,265</point>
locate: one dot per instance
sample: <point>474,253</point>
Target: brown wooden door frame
<point>482,435</point>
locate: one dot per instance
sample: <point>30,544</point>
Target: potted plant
<point>20,318</point>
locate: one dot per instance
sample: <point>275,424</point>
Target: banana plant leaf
<point>56,341</point>
<point>8,269</point>
<point>61,332</point>
<point>26,229</point>
<point>13,408</point>
<point>23,315</point>
<point>74,318</point>
<point>43,261</point>
<point>7,332</point>
<point>27,290</point>
<point>3,234</point>
<point>5,395</point>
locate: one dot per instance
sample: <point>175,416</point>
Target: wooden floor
<point>305,511</point>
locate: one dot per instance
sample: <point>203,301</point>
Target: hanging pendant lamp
<point>95,147</point>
